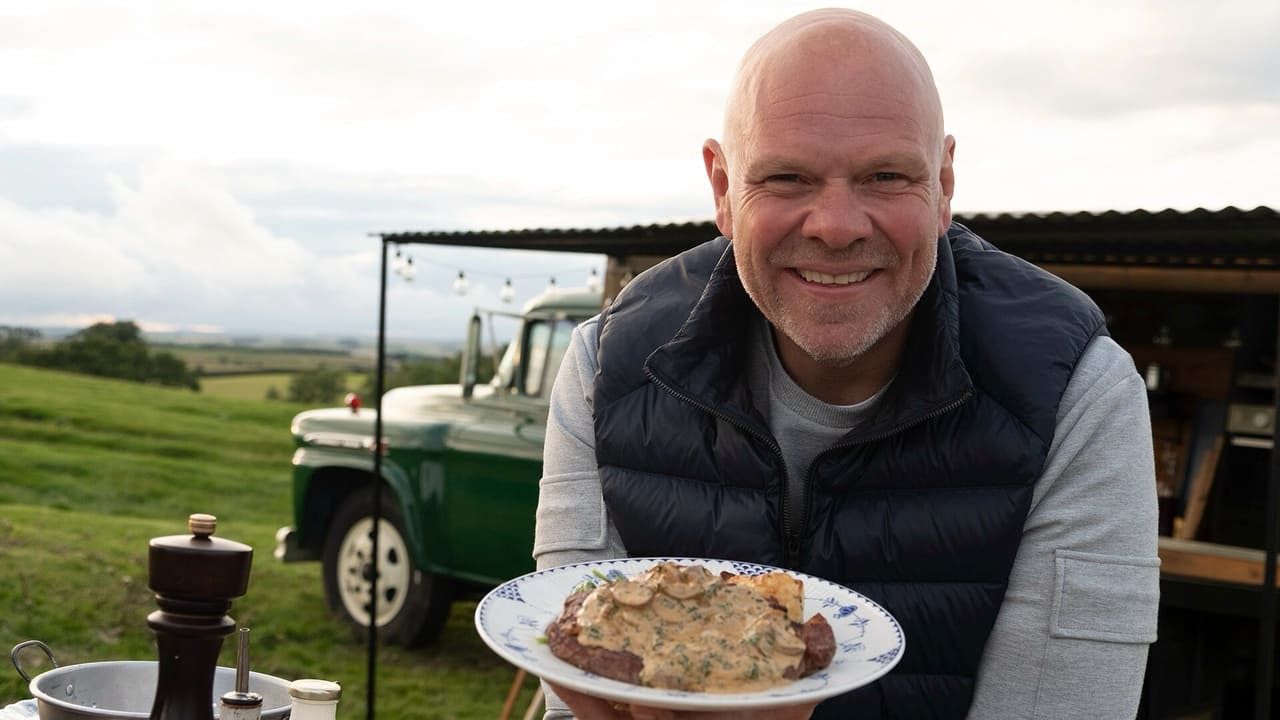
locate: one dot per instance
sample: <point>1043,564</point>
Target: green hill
<point>90,469</point>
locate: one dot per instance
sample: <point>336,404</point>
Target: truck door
<point>494,463</point>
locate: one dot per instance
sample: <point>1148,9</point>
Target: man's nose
<point>837,217</point>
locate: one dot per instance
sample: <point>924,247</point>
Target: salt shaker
<point>314,699</point>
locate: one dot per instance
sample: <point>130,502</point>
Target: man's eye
<point>887,177</point>
<point>783,178</point>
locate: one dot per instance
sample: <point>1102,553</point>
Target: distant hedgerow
<point>114,350</point>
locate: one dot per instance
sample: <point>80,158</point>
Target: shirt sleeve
<point>1080,611</point>
<point>572,524</point>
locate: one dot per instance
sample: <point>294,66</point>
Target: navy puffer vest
<point>921,508</point>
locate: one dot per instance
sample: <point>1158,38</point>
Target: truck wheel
<point>412,604</point>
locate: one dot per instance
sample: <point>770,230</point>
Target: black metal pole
<point>372,667</point>
<point>1267,612</point>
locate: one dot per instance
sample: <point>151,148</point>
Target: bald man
<point>851,385</point>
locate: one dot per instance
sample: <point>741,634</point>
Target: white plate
<point>513,618</point>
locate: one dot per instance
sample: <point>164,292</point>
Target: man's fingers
<point>639,712</point>
<point>588,707</point>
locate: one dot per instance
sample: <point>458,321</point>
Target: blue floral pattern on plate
<point>512,621</point>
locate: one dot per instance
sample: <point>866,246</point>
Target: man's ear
<point>718,174</point>
<point>947,179</point>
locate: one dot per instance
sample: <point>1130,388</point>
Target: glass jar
<point>314,699</point>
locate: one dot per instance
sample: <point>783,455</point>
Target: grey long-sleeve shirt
<point>1071,637</point>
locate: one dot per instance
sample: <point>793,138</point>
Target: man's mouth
<point>825,279</point>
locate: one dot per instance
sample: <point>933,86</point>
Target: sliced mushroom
<point>669,610</point>
<point>682,590</point>
<point>683,582</point>
<point>631,594</point>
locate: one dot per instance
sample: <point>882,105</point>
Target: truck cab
<point>460,471</point>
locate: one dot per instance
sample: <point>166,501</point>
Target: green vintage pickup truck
<point>460,479</point>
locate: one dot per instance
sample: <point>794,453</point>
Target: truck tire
<point>412,604</point>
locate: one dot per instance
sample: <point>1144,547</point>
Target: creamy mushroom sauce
<point>694,630</point>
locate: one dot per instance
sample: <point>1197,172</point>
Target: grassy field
<point>219,360</point>
<point>255,386</point>
<point>90,469</point>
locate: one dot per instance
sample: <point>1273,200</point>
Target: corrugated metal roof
<point>1227,237</point>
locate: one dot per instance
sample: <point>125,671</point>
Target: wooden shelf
<point>1210,561</point>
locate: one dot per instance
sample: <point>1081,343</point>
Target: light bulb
<point>397,263</point>
<point>460,284</point>
<point>593,281</point>
<point>551,284</point>
<point>507,293</point>
<point>407,271</point>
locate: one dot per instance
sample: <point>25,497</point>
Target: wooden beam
<point>1198,279</point>
<point>1210,561</point>
<point>1201,484</point>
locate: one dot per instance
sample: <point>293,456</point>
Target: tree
<point>320,386</point>
<point>106,349</point>
<point>113,350</point>
<point>430,371</point>
<point>14,340</point>
<point>169,369</point>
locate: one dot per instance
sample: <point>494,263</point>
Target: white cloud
<point>65,320</point>
<point>193,164</point>
<point>58,252</point>
<point>188,227</point>
<point>177,250</point>
<point>205,329</point>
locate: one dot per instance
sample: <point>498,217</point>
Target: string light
<point>402,264</point>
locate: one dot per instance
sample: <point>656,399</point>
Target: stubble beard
<point>810,325</point>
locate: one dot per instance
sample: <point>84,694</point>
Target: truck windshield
<point>547,342</point>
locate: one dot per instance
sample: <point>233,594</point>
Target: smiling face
<point>834,183</point>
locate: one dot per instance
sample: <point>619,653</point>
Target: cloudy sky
<point>219,166</point>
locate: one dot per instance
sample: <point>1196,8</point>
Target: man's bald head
<point>838,49</point>
<point>834,180</point>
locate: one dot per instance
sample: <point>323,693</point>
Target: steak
<point>819,644</point>
<point>562,638</point>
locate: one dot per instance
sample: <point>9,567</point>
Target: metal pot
<point>127,688</point>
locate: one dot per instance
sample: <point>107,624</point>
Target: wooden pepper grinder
<point>194,577</point>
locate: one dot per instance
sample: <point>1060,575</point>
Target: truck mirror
<point>470,357</point>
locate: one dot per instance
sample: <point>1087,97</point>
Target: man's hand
<point>588,707</point>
